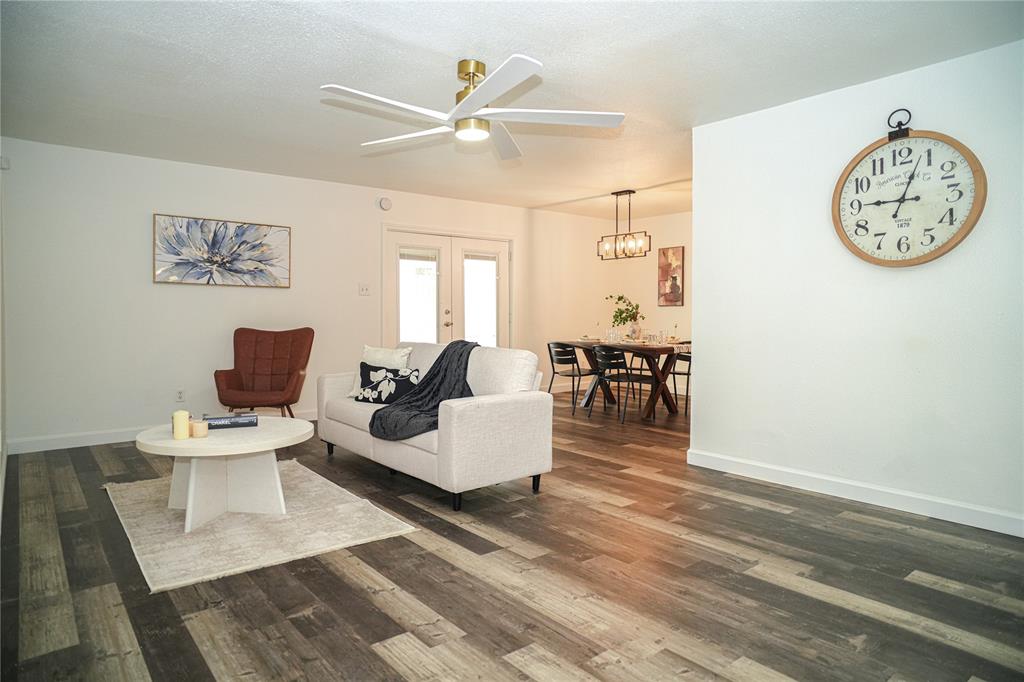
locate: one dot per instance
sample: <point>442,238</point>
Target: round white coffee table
<point>229,470</point>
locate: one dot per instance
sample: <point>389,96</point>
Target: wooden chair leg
<point>552,382</point>
<point>290,413</point>
<point>572,393</point>
<point>283,414</point>
<point>456,501</point>
<point>536,484</point>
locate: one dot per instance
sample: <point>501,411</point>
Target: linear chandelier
<point>629,244</point>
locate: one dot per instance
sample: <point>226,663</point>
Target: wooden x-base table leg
<point>661,390</point>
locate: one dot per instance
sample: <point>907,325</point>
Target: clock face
<point>909,200</point>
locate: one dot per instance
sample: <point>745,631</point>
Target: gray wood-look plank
<point>628,566</point>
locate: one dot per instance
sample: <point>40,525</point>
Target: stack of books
<point>232,421</point>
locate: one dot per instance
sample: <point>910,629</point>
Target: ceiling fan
<point>472,118</point>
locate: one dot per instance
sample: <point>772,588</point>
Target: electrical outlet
<point>179,395</point>
<point>364,289</point>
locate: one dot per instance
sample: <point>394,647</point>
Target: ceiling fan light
<point>472,129</point>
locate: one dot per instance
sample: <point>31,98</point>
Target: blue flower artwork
<point>199,251</point>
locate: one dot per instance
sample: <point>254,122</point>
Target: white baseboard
<point>989,518</point>
<point>79,439</point>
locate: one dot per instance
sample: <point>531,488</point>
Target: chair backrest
<point>266,359</point>
<point>686,356</point>
<point>562,354</point>
<point>610,359</point>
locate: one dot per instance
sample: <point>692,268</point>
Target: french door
<point>438,288</point>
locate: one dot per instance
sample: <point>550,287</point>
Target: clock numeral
<point>861,228</point>
<point>881,236</point>
<point>878,166</point>
<point>928,157</point>
<point>903,244</point>
<point>947,170</point>
<point>861,185</point>
<point>947,217</point>
<point>928,236</point>
<point>959,192</point>
<point>899,158</point>
<point>856,206</point>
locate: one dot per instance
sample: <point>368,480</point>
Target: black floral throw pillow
<point>383,385</point>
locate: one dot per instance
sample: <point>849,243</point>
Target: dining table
<point>660,359</point>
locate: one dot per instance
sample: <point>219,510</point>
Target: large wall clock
<point>909,197</point>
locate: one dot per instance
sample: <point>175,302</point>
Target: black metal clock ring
<point>899,124</point>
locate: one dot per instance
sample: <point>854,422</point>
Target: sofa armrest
<point>330,386</point>
<point>491,439</point>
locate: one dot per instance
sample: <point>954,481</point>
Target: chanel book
<point>232,421</point>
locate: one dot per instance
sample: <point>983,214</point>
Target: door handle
<point>447,324</point>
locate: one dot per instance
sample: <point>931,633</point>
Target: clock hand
<point>892,201</point>
<point>903,198</point>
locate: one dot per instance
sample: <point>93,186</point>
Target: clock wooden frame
<point>980,194</point>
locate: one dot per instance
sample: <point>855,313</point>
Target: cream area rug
<point>321,517</point>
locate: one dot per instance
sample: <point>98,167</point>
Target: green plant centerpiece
<point>627,313</point>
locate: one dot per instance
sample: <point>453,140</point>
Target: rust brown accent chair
<point>269,369</point>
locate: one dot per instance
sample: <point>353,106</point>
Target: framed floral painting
<point>670,275</point>
<point>220,252</point>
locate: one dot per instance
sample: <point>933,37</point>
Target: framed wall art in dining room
<point>220,252</point>
<point>670,276</point>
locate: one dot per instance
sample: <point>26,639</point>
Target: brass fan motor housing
<point>471,69</point>
<point>473,123</point>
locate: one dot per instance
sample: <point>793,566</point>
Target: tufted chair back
<point>267,359</point>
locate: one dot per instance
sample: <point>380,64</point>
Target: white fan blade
<point>504,142</point>
<point>511,73</point>
<point>596,119</point>
<point>422,112</point>
<point>409,136</point>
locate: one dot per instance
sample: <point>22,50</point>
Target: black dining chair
<point>564,355</point>
<point>614,369</point>
<point>676,372</point>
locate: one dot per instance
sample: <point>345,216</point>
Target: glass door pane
<point>480,289</point>
<point>481,294</point>
<point>416,288</point>
<point>418,295</point>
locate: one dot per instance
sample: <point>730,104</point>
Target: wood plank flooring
<point>629,565</point>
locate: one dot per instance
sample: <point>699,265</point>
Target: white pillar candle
<point>179,424</point>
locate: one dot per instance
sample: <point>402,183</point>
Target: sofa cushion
<point>491,370</point>
<point>423,355</point>
<point>357,415</point>
<point>501,370</point>
<point>347,411</point>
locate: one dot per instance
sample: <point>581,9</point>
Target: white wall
<point>97,350</point>
<point>897,386</point>
<point>570,282</point>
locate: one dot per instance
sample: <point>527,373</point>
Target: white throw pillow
<point>392,358</point>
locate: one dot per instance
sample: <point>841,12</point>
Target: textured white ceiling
<point>236,84</point>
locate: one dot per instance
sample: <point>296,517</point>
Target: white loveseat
<point>501,433</point>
